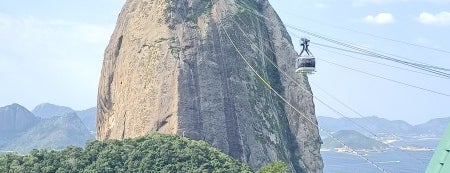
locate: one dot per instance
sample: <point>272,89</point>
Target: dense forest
<point>152,153</point>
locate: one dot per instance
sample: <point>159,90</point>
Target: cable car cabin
<point>305,64</point>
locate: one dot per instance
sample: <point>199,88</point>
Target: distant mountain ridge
<point>48,110</point>
<point>88,117</point>
<point>434,127</point>
<point>15,119</point>
<point>55,128</point>
<point>53,133</point>
<point>354,140</point>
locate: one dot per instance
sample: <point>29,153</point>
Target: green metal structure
<point>440,162</point>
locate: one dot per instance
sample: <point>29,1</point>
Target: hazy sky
<point>52,51</point>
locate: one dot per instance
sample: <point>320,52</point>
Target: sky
<point>52,51</point>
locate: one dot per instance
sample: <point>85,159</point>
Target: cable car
<point>306,63</point>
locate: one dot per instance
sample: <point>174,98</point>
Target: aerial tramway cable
<point>364,118</point>
<point>419,65</point>
<point>374,35</point>
<point>429,68</point>
<point>298,84</point>
<point>316,97</point>
<point>280,70</point>
<point>287,102</point>
<point>293,107</point>
<point>379,63</point>
<point>384,78</point>
<point>328,106</point>
<point>381,77</point>
<point>365,54</point>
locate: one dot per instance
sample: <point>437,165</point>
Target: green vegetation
<point>276,167</point>
<point>208,9</point>
<point>174,47</point>
<point>264,82</point>
<point>153,153</point>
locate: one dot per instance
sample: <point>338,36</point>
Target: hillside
<point>54,133</point>
<point>21,131</point>
<point>47,110</point>
<point>434,127</point>
<point>14,121</point>
<point>152,153</point>
<point>353,140</point>
<point>88,117</point>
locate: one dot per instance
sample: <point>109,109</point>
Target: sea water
<point>393,160</point>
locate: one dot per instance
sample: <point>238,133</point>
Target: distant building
<point>440,163</point>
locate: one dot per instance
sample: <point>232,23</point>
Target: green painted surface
<point>440,162</point>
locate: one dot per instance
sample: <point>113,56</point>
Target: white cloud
<point>382,18</point>
<point>442,18</point>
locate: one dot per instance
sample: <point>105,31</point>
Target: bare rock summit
<point>177,67</point>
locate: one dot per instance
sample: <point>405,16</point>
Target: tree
<point>152,153</point>
<point>276,167</point>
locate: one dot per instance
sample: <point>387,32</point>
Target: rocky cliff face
<point>171,68</point>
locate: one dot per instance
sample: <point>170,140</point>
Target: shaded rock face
<point>15,119</point>
<point>170,67</point>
